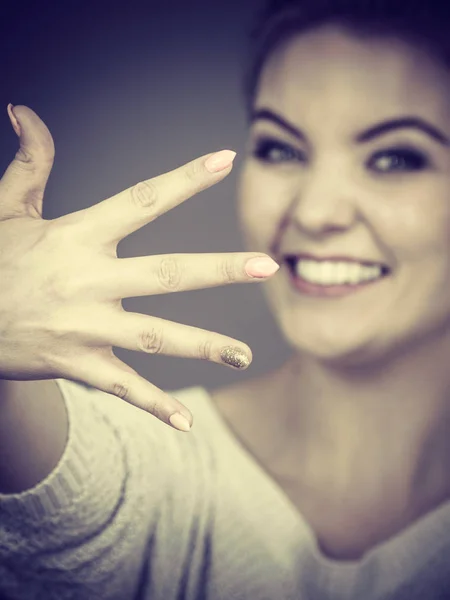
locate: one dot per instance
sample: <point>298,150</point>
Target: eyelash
<point>414,160</point>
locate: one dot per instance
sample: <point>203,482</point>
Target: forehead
<point>329,72</point>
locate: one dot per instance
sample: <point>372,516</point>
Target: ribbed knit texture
<point>138,511</point>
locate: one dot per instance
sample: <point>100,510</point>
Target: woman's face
<point>317,181</point>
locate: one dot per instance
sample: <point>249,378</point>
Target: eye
<point>273,151</point>
<point>398,159</point>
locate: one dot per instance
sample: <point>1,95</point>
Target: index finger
<point>113,219</point>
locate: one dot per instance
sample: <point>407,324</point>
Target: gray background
<point>128,93</point>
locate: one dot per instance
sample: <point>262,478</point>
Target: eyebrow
<point>364,136</point>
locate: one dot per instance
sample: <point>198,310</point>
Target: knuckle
<point>144,194</point>
<point>121,389</point>
<point>24,161</point>
<point>67,279</point>
<point>58,232</point>
<point>35,163</point>
<point>228,271</point>
<point>71,223</point>
<point>169,274</point>
<point>193,172</point>
<point>76,229</point>
<point>59,291</point>
<point>151,341</point>
<point>153,407</point>
<point>205,349</point>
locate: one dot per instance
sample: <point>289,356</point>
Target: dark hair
<point>424,23</point>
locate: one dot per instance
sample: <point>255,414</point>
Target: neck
<point>384,429</point>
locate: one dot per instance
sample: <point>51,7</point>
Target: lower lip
<point>330,291</point>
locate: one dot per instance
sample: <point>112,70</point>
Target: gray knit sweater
<point>137,511</point>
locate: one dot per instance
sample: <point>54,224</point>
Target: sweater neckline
<point>420,542</point>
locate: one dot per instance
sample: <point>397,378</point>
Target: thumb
<point>23,183</point>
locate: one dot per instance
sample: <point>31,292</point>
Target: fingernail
<point>234,356</point>
<point>220,161</point>
<point>13,118</point>
<point>261,266</point>
<point>179,422</point>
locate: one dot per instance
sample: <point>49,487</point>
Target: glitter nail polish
<point>234,356</point>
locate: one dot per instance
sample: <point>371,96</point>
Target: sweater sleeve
<point>83,532</point>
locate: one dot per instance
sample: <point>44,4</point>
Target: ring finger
<point>153,335</point>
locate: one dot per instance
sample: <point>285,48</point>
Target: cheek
<point>262,204</point>
<point>415,228</point>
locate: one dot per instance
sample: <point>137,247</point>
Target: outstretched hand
<point>62,284</point>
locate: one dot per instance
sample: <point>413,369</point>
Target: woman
<point>326,478</point>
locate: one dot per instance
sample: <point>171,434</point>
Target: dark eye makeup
<point>391,160</point>
<point>273,151</point>
<point>398,159</point>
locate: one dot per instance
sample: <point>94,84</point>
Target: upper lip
<point>334,258</point>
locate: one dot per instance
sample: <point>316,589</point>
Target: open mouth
<point>342,276</point>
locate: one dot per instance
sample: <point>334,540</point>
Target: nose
<point>324,202</point>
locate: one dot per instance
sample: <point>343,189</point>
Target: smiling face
<point>317,181</point>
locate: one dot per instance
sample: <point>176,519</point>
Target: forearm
<point>33,432</point>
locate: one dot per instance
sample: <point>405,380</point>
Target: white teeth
<point>335,273</point>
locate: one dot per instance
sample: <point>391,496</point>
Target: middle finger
<point>165,273</point>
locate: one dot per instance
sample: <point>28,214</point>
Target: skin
<point>358,436</point>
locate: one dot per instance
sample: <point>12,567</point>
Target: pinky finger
<point>107,373</point>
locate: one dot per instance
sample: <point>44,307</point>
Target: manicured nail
<point>179,422</point>
<point>13,118</point>
<point>234,356</point>
<point>262,266</point>
<point>220,161</point>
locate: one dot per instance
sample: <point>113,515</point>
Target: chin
<point>340,349</point>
